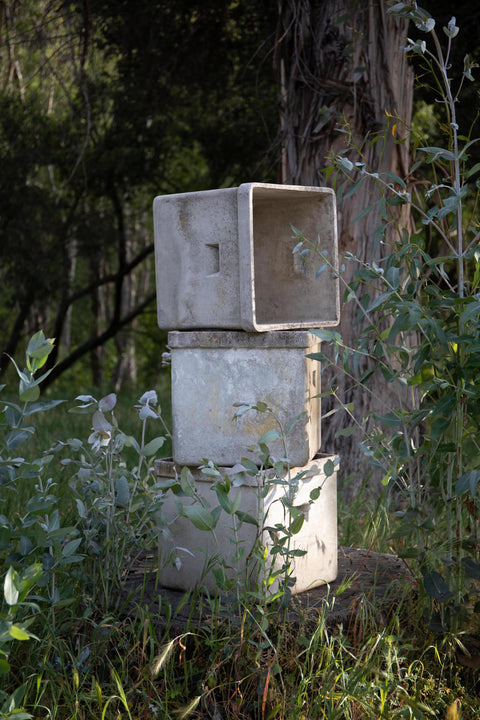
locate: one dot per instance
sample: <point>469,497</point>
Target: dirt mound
<point>378,579</point>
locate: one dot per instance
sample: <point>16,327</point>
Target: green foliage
<point>78,657</point>
<point>34,532</point>
<point>417,309</point>
<point>15,589</point>
<point>17,612</point>
<point>115,501</point>
<point>117,498</point>
<point>83,527</point>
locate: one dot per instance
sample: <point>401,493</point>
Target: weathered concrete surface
<point>213,370</point>
<point>224,258</point>
<point>262,500</point>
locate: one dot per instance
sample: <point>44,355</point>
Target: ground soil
<point>364,578</point>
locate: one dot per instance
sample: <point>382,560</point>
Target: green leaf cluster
<point>416,307</point>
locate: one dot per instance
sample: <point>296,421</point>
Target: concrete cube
<point>224,258</point>
<point>211,371</point>
<point>198,549</point>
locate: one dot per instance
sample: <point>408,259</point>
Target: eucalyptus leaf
<point>249,466</point>
<point>345,432</point>
<point>130,441</point>
<point>467,481</point>
<point>224,499</point>
<point>152,447</point>
<point>81,509</point>
<point>329,468</point>
<point>297,524</point>
<point>437,152</point>
<point>18,633</point>
<point>14,417</point>
<point>39,346</point>
<point>42,406</point>
<point>71,547</point>
<point>471,568</point>
<point>86,399</point>
<point>236,502</point>
<point>28,392</point>
<point>199,516</point>
<point>15,438</point>
<point>107,403</point>
<point>187,482</point>
<point>297,552</point>
<point>436,587</point>
<point>26,545</point>
<point>122,491</point>
<point>270,436</point>
<point>246,518</point>
<point>10,590</point>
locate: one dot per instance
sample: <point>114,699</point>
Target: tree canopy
<point>105,104</point>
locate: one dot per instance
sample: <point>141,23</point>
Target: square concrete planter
<point>318,535</point>
<point>213,370</point>
<point>224,258</point>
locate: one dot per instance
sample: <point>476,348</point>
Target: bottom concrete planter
<point>198,549</point>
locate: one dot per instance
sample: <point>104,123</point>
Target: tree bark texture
<point>342,62</point>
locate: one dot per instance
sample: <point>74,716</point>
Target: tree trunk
<point>98,302</point>
<point>342,63</point>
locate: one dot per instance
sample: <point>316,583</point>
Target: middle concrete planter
<point>212,370</point>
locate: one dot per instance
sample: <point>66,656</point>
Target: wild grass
<point>96,665</point>
<point>144,658</point>
<point>79,651</point>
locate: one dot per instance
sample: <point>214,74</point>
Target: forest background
<point>104,105</point>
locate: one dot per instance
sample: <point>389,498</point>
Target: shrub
<point>417,306</point>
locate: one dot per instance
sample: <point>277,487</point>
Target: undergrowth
<point>80,640</point>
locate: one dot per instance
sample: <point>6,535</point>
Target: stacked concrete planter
<point>212,370</point>
<point>238,303</point>
<point>318,535</point>
<point>224,259</point>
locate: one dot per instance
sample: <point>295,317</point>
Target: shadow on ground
<point>380,580</point>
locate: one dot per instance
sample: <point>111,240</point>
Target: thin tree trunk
<point>97,341</point>
<point>341,62</point>
<point>98,312</point>
<point>17,331</point>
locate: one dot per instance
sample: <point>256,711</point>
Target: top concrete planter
<point>224,258</point>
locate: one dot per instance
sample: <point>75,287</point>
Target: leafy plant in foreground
<point>36,533</point>
<point>417,306</point>
<point>117,496</point>
<point>29,541</point>
<point>86,662</point>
